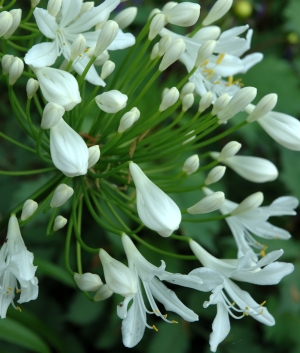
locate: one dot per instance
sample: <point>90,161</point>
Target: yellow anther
<point>8,293</point>
<point>261,312</point>
<point>204,63</point>
<point>156,312</point>
<point>209,72</point>
<point>18,290</point>
<point>277,237</point>
<point>80,55</point>
<point>247,308</point>
<point>230,81</point>
<point>155,328</point>
<point>263,251</point>
<point>233,303</point>
<point>220,58</point>
<point>174,322</point>
<point>217,82</point>
<point>9,288</point>
<point>86,50</point>
<point>165,316</point>
<point>63,43</point>
<point>263,303</point>
<point>238,82</point>
<point>18,308</point>
<point>245,314</point>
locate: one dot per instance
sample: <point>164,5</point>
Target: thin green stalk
<point>17,143</point>
<point>67,248</point>
<point>104,175</point>
<point>8,6</point>
<point>27,172</point>
<point>16,46</point>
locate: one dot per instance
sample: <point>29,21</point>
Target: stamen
<point>262,311</point>
<point>18,290</point>
<point>263,303</point>
<point>18,308</point>
<point>155,328</point>
<point>230,81</point>
<point>209,72</point>
<point>217,82</point>
<point>9,288</point>
<point>263,251</point>
<point>245,314</point>
<point>174,322</point>
<point>220,58</point>
<point>204,63</point>
<point>165,316</point>
<point>233,303</point>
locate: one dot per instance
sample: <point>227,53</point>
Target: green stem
<point>27,172</point>
<point>67,248</point>
<point>17,143</point>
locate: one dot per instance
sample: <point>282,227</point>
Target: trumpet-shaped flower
<point>155,208</point>
<point>235,301</point>
<point>16,266</point>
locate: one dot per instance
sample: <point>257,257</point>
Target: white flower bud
<point>102,58</point>
<point>94,156</point>
<point>153,13</point>
<point>215,175</point>
<point>59,223</point>
<point>189,87</point>
<point>100,24</point>
<point>264,106</point>
<point>111,101</point>
<point>6,21</point>
<point>53,7</point>
<point>128,119</point>
<point>190,139</point>
<point>184,14</point>
<point>107,69</point>
<point>169,98</point>
<point>207,33</point>
<point>205,51</point>
<point>220,8</point>
<point>187,101</point>
<point>119,278</point>
<point>155,208</point>
<point>156,25</point>
<point>208,204</point>
<point>31,87</point>
<point>77,47</point>
<point>61,195</point>
<point>15,70</point>
<point>6,62</point>
<point>51,115</point>
<point>174,52</point>
<point>107,35</point>
<point>191,164</point>
<point>16,15</point>
<point>103,293</point>
<point>88,282</point>
<point>163,45</point>
<point>237,103</point>
<point>249,203</point>
<point>169,5</point>
<point>28,209</point>
<point>154,52</point>
<point>34,3</point>
<point>205,101</point>
<point>220,103</point>
<point>68,150</point>
<point>126,17</point>
<point>229,150</point>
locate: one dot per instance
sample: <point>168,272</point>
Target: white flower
<point>111,101</point>
<point>59,222</point>
<point>68,150</point>
<point>28,209</point>
<point>240,303</point>
<point>94,155</point>
<point>16,266</point>
<point>61,195</point>
<point>156,209</point>
<point>88,282</point>
<point>191,164</point>
<point>208,204</point>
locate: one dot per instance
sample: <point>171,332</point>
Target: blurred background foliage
<point>63,320</point>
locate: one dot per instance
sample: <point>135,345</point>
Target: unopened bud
<point>187,101</point>
<point>16,15</point>
<point>107,69</point>
<point>220,8</point>
<point>6,21</point>
<point>208,204</point>
<point>207,33</point>
<point>154,52</point>
<point>106,37</point>
<point>191,164</point>
<point>103,293</point>
<point>126,17</point>
<point>53,7</point>
<point>61,195</point>
<point>205,101</point>
<point>229,150</point>
<point>184,14</point>
<point>128,119</point>
<point>169,5</point>
<point>28,209</point>
<point>174,52</point>
<point>34,3</point>
<point>88,282</point>
<point>31,87</point>
<point>249,203</point>
<point>94,155</point>
<point>59,223</point>
<point>102,58</point>
<point>153,13</point>
<point>205,52</point>
<point>15,70</point>
<point>51,115</point>
<point>220,103</point>
<point>169,98</point>
<point>156,25</point>
<point>264,106</point>
<point>189,87</point>
<point>163,45</point>
<point>77,47</point>
<point>6,61</point>
<point>111,101</point>
<point>215,175</point>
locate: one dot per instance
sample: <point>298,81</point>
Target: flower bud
<point>53,7</point>
<point>111,101</point>
<point>169,5</point>
<point>208,204</point>
<point>207,33</point>
<point>189,87</point>
<point>77,47</point>
<point>153,13</point>
<point>126,17</point>
<point>205,51</point>
<point>102,58</point>
<point>94,156</point>
<point>249,203</point>
<point>28,209</point>
<point>59,223</point>
<point>220,103</point>
<point>187,101</point>
<point>169,98</point>
<point>6,21</point>
<point>107,35</point>
<point>16,15</point>
<point>51,115</point>
<point>34,3</point>
<point>61,195</point>
<point>173,53</point>
<point>15,70</point>
<point>88,282</point>
<point>107,69</point>
<point>205,101</point>
<point>100,24</point>
<point>229,150</point>
<point>215,175</point>
<point>163,45</point>
<point>191,164</point>
<point>119,278</point>
<point>6,62</point>
<point>264,106</point>
<point>237,103</point>
<point>156,25</point>
<point>184,14</point>
<point>220,8</point>
<point>154,52</point>
<point>103,293</point>
<point>128,119</point>
<point>31,87</point>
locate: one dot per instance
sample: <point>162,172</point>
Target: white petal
<point>122,41</point>
<point>70,9</point>
<point>92,75</point>
<point>268,231</point>
<point>29,290</point>
<point>43,54</point>
<point>220,327</point>
<point>46,22</point>
<point>209,277</point>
